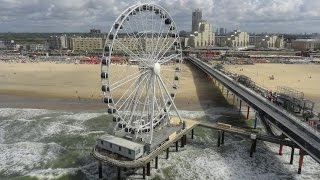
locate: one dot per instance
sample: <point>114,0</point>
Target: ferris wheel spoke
<point>164,98</point>
<point>127,50</point>
<point>132,92</point>
<point>169,46</point>
<point>162,46</point>
<point>128,89</point>
<point>164,60</point>
<point>158,39</point>
<point>127,79</point>
<point>135,101</point>
<point>135,39</point>
<point>167,92</point>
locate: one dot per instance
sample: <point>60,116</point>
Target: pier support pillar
<point>144,172</point>
<point>253,144</point>
<point>100,170</point>
<point>233,100</point>
<point>182,141</point>
<point>148,169</point>
<point>222,137</point>
<point>222,89</point>
<point>156,163</point>
<point>255,121</point>
<point>192,133</point>
<point>219,137</point>
<point>280,149</point>
<point>292,154</point>
<point>177,146</point>
<point>227,94</point>
<point>167,157</point>
<point>240,106</point>
<point>119,173</point>
<point>301,153</point>
<point>248,112</point>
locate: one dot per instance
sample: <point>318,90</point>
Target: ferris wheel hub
<point>156,69</point>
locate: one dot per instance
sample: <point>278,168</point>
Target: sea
<point>56,144</point>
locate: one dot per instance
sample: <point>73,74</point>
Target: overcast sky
<point>289,16</point>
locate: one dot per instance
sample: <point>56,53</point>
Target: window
<point>119,148</point>
<point>129,151</point>
<point>110,145</point>
<point>101,142</point>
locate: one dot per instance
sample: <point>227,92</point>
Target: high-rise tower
<point>196,19</point>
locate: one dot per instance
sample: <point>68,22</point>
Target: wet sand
<point>56,86</point>
<point>302,77</point>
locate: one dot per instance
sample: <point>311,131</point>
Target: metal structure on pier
<point>144,42</point>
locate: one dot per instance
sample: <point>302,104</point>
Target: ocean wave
<point>20,158</point>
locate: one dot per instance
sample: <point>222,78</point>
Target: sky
<point>283,16</point>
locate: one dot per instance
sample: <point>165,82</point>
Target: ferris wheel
<point>140,71</point>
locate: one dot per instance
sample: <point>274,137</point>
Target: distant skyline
<point>289,16</point>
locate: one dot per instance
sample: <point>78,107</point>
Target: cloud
<point>81,15</point>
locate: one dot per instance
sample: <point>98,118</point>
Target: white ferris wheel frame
<point>156,78</point>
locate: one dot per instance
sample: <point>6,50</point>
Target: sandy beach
<point>302,77</point>
<point>72,82</point>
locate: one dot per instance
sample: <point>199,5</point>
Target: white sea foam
<point>24,156</point>
<point>22,113</point>
<point>80,116</point>
<point>52,173</point>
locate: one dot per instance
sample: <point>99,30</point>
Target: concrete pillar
<point>222,89</point>
<point>192,133</point>
<point>248,112</point>
<point>144,172</point>
<point>167,153</point>
<point>255,121</point>
<point>100,170</point>
<point>240,106</point>
<point>280,149</point>
<point>156,162</point>
<point>227,94</point>
<point>292,154</point>
<point>177,144</point>
<point>300,161</point>
<point>185,139</point>
<point>222,137</point>
<point>253,144</point>
<point>219,137</point>
<point>148,169</point>
<point>233,100</point>
<point>182,142</point>
<point>119,173</point>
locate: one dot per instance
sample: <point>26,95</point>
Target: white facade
<point>121,146</point>
<point>267,41</point>
<point>39,47</point>
<point>202,38</point>
<point>235,39</point>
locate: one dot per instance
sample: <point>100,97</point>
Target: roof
<point>121,142</point>
<point>308,40</point>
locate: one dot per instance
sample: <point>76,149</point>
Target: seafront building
<point>147,44</point>
<point>306,44</point>
<point>267,41</point>
<point>38,47</point>
<point>85,43</point>
<point>234,39</point>
<point>202,34</point>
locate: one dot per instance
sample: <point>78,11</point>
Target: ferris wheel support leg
<point>175,108</point>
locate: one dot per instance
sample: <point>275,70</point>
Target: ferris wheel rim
<point>126,13</point>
